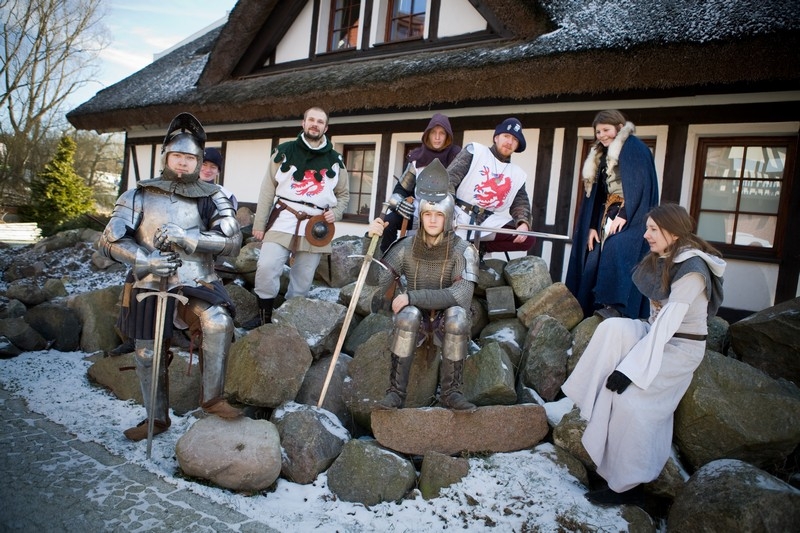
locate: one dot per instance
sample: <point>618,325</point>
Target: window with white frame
<point>405,20</point>
<point>360,162</point>
<point>343,25</point>
<point>741,190</point>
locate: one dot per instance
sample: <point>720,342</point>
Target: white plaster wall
<point>749,285</point>
<point>458,17</point>
<point>246,163</point>
<point>294,44</point>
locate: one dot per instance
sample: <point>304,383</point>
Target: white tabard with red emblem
<point>490,184</point>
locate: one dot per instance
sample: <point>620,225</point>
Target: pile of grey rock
<point>736,432</point>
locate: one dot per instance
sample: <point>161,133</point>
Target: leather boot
<point>265,310</point>
<point>139,431</point>
<point>264,314</point>
<point>221,408</point>
<point>398,383</point>
<point>451,380</point>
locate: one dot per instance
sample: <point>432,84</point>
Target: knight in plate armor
<point>440,270</point>
<point>169,231</point>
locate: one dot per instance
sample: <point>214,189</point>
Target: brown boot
<point>139,431</point>
<point>451,380</point>
<point>221,408</point>
<point>398,382</point>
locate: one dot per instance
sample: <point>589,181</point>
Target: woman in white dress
<point>633,374</point>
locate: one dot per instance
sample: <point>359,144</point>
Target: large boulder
<point>341,267</point>
<point>510,334</point>
<point>527,276</point>
<point>544,357</point>
<point>731,495</point>
<point>487,429</point>
<point>318,322</point>
<point>732,410</point>
<point>97,311</point>
<point>242,455</point>
<point>554,300</point>
<point>21,334</point>
<point>245,301</point>
<point>489,377</point>
<point>311,389</point>
<point>311,439</point>
<point>118,375</point>
<point>58,324</point>
<point>770,340</point>
<point>439,471</point>
<point>267,366</point>
<point>368,474</point>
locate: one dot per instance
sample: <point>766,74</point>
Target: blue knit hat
<point>213,155</point>
<point>512,126</point>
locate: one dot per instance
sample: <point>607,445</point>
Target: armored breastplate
<point>159,208</point>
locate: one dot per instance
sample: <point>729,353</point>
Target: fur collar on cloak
<point>592,163</point>
<point>305,158</point>
<point>188,188</point>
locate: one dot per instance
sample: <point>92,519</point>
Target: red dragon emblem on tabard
<point>492,192</point>
<point>311,184</point>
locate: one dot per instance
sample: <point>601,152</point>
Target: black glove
<point>617,382</point>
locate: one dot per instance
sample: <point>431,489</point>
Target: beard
<point>313,136</point>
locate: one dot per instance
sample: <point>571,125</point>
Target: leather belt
<point>308,204</point>
<point>476,217</point>
<point>473,209</point>
<point>690,336</point>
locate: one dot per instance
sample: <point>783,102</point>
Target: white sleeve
<point>643,362</point>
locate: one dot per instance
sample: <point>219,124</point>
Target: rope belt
<point>690,336</point>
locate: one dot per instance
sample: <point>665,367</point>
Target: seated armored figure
<point>440,271</point>
<point>168,230</point>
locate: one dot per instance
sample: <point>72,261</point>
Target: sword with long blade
<point>511,231</point>
<point>362,277</point>
<point>158,344</point>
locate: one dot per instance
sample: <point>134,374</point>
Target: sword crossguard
<point>162,295</point>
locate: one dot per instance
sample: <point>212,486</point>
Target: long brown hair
<point>674,219</point>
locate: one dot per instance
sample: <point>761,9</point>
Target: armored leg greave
<point>217,327</point>
<point>144,369</point>
<point>406,327</point>
<point>454,351</point>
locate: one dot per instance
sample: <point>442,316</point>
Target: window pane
<point>724,161</point>
<point>360,161</point>
<point>756,230</point>
<point>407,19</point>
<point>719,194</point>
<point>343,30</point>
<point>764,162</point>
<point>760,196</point>
<point>715,227</point>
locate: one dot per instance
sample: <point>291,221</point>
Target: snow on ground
<point>519,491</point>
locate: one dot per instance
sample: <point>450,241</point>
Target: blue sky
<point>140,29</point>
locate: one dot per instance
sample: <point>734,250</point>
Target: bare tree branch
<point>49,51</point>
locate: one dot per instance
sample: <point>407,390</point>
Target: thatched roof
<point>598,49</point>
